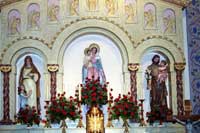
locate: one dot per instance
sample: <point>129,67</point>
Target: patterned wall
<point>193,28</point>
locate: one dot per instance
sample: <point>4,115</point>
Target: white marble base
<point>166,128</point>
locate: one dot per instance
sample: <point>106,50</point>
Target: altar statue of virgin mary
<point>92,66</point>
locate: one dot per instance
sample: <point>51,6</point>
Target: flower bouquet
<point>61,108</point>
<point>28,115</point>
<point>94,93</point>
<point>125,107</point>
<point>159,113</point>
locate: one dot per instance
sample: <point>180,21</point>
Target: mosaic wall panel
<point>193,28</point>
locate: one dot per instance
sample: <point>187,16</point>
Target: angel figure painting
<point>149,16</point>
<point>34,16</point>
<point>169,21</point>
<point>74,7</point>
<point>53,10</point>
<point>130,11</point>
<point>111,7</point>
<point>14,22</point>
<point>92,5</point>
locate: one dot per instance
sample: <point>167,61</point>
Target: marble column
<point>179,67</point>
<point>53,69</point>
<point>133,68</point>
<point>6,69</point>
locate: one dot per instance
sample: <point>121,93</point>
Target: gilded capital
<point>179,66</point>
<point>52,67</point>
<point>5,68</point>
<point>133,66</point>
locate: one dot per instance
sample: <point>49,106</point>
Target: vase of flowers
<point>126,108</point>
<point>61,108</point>
<point>28,115</point>
<point>94,93</point>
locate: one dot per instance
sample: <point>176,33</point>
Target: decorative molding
<point>7,2</point>
<point>23,38</point>
<point>182,3</point>
<point>94,18</point>
<point>163,38</point>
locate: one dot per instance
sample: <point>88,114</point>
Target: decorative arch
<point>162,44</point>
<point>118,36</point>
<point>21,44</point>
<point>18,53</point>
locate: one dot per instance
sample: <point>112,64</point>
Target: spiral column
<point>53,69</point>
<point>179,67</point>
<point>133,68</point>
<point>6,69</point>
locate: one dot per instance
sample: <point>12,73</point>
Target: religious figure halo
<point>94,45</point>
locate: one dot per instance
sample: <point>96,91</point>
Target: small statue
<point>188,124</point>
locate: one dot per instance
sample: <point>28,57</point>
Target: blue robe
<point>22,100</point>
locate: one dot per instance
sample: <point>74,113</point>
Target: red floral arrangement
<point>61,108</point>
<point>28,115</point>
<point>94,93</point>
<point>125,107</point>
<point>159,113</point>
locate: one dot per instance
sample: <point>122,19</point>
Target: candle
<point>108,93</point>
<point>79,92</point>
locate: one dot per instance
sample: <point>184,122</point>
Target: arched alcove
<point>111,59</point>
<point>38,61</point>
<point>93,27</point>
<point>146,60</point>
<point>16,54</point>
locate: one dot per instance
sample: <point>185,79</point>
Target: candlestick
<point>142,122</point>
<point>108,94</point>
<point>80,89</point>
